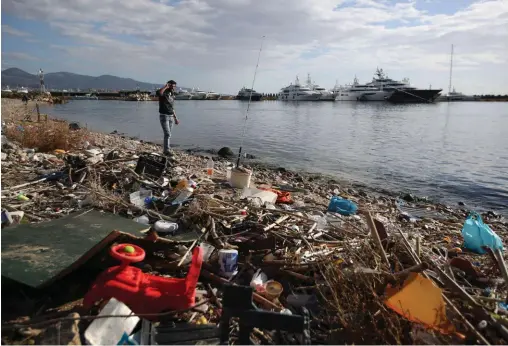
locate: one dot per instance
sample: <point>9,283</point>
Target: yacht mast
<point>451,68</point>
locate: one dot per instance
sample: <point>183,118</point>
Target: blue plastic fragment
<point>127,340</point>
<point>486,292</point>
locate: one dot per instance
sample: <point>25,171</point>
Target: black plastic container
<point>151,165</point>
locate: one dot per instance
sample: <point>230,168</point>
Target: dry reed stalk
<point>46,136</point>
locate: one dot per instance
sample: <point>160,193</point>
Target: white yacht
<point>325,94</point>
<point>183,94</point>
<point>198,94</point>
<point>382,82</point>
<point>7,89</point>
<point>455,96</point>
<point>211,95</point>
<point>22,90</point>
<point>335,90</point>
<point>296,92</point>
<point>361,92</point>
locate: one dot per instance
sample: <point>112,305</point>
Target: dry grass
<point>46,136</point>
<point>356,310</point>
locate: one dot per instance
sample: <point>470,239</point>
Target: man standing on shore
<point>167,112</point>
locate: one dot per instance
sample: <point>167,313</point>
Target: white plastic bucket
<point>239,179</point>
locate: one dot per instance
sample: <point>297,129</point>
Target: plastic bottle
<point>186,193</point>
<point>209,167</point>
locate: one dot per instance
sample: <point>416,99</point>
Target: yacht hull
<point>414,96</point>
<point>376,96</point>
<point>362,96</point>
<point>198,97</point>
<point>246,97</point>
<point>327,97</point>
<point>313,97</point>
<point>183,97</point>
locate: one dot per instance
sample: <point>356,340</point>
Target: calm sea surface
<point>448,151</point>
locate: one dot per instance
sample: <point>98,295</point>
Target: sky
<point>214,44</point>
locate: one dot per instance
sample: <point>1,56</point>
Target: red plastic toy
<point>144,293</point>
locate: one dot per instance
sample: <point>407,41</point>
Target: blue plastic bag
<point>342,206</point>
<point>477,234</point>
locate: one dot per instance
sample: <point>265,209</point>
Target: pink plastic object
<point>144,293</point>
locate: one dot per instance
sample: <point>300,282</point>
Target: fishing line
<point>248,104</point>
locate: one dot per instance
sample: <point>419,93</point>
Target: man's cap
<point>172,82</point>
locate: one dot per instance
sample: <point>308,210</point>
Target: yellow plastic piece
<point>421,301</point>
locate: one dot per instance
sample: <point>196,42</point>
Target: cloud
<point>214,43</point>
<point>14,32</point>
<point>18,56</point>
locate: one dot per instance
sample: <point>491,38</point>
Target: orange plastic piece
<point>283,197</point>
<point>421,301</point>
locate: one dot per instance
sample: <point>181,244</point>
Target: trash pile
<point>241,254</point>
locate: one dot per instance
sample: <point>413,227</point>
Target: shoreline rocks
<point>226,152</point>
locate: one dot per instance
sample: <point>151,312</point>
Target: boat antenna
<point>248,104</point>
<point>451,67</point>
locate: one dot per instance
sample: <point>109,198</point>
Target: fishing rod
<point>248,104</point>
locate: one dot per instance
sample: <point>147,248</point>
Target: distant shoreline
<point>122,96</point>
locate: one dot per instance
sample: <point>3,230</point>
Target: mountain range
<point>15,77</point>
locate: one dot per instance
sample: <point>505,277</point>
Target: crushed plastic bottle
<point>143,219</point>
<point>165,226</point>
<point>321,221</point>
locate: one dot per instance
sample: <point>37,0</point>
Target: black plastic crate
<point>151,165</point>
